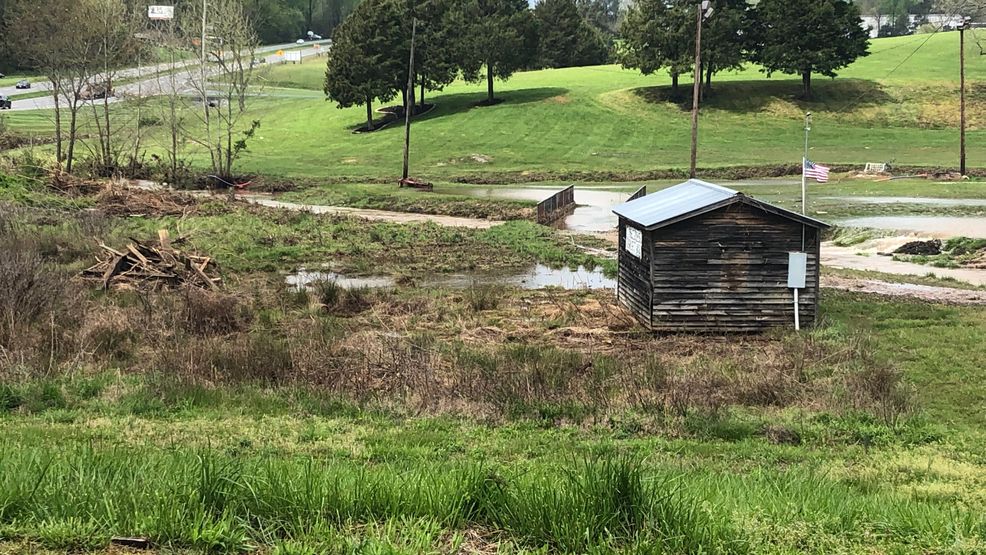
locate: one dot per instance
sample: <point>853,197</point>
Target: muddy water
<point>537,277</point>
<point>935,226</point>
<point>911,200</point>
<point>850,258</point>
<point>594,207</point>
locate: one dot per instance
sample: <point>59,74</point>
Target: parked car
<point>95,91</point>
<point>23,84</point>
<point>5,103</point>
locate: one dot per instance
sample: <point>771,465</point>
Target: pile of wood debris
<point>123,201</point>
<point>143,266</point>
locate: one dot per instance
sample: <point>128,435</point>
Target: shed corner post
<point>650,272</point>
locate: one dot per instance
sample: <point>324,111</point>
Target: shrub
<point>485,297</point>
<point>339,300</point>
<point>210,313</point>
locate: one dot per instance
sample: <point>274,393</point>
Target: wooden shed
<point>698,257</point>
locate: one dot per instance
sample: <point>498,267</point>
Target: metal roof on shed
<point>692,198</point>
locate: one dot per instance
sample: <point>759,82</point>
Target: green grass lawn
<point>608,124</point>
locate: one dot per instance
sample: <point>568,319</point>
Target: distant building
<point>944,21</point>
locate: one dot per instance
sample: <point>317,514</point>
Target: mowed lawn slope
<point>899,104</point>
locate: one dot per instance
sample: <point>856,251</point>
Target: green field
<point>605,119</point>
<point>604,123</point>
<point>483,417</point>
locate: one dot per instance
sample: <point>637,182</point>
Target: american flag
<point>817,171</point>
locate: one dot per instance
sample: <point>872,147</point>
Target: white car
<point>300,41</point>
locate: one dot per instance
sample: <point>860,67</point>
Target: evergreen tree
<point>804,37</point>
<point>500,36</point>
<point>565,38</point>
<point>364,59</point>
<point>724,38</point>
<point>437,44</point>
<point>655,36</point>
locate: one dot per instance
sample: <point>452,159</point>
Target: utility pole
<point>205,86</point>
<point>704,11</point>
<point>965,23</point>
<point>408,104</point>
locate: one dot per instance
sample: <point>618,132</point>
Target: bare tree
<point>225,84</point>
<point>173,105</point>
<point>28,20</point>
<point>113,32</point>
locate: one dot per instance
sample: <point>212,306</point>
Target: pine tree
<point>565,38</point>
<point>655,36</point>
<point>500,36</point>
<point>724,38</point>
<point>362,64</point>
<point>804,37</point>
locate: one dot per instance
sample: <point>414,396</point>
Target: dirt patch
<point>488,102</point>
<point>560,99</point>
<point>944,295</point>
<point>926,248</point>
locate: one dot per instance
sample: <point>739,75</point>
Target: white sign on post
<point>797,271</point>
<point>293,56</point>
<point>633,241</point>
<point>159,13</point>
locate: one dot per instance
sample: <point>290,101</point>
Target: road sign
<point>293,56</point>
<point>280,52</point>
<point>159,13</point>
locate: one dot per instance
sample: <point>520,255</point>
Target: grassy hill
<point>900,103</point>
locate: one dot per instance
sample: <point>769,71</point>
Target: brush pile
<point>123,201</point>
<point>142,266</point>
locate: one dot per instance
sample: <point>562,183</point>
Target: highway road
<point>156,79</point>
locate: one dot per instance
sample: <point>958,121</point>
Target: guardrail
<point>556,206</point>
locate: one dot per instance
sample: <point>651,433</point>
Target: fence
<point>556,206</point>
<point>641,193</point>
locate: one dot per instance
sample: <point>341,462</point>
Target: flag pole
<point>804,164</point>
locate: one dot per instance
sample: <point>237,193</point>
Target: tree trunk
<point>422,101</point>
<point>369,114</point>
<point>489,83</point>
<point>674,85</point>
<point>806,82</point>
<point>72,127</point>
<point>59,152</point>
<point>708,79</point>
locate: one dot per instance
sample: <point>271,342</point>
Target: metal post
<point>962,167</point>
<point>408,105</point>
<point>697,89</point>
<point>804,164</point>
<point>797,312</point>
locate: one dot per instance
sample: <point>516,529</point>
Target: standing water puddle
<point>912,200</point>
<point>538,277</point>
<point>593,211</point>
<point>945,226</point>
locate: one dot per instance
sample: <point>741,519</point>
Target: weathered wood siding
<point>726,271</point>
<point>633,288</point>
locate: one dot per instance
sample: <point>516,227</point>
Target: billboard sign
<point>159,13</point>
